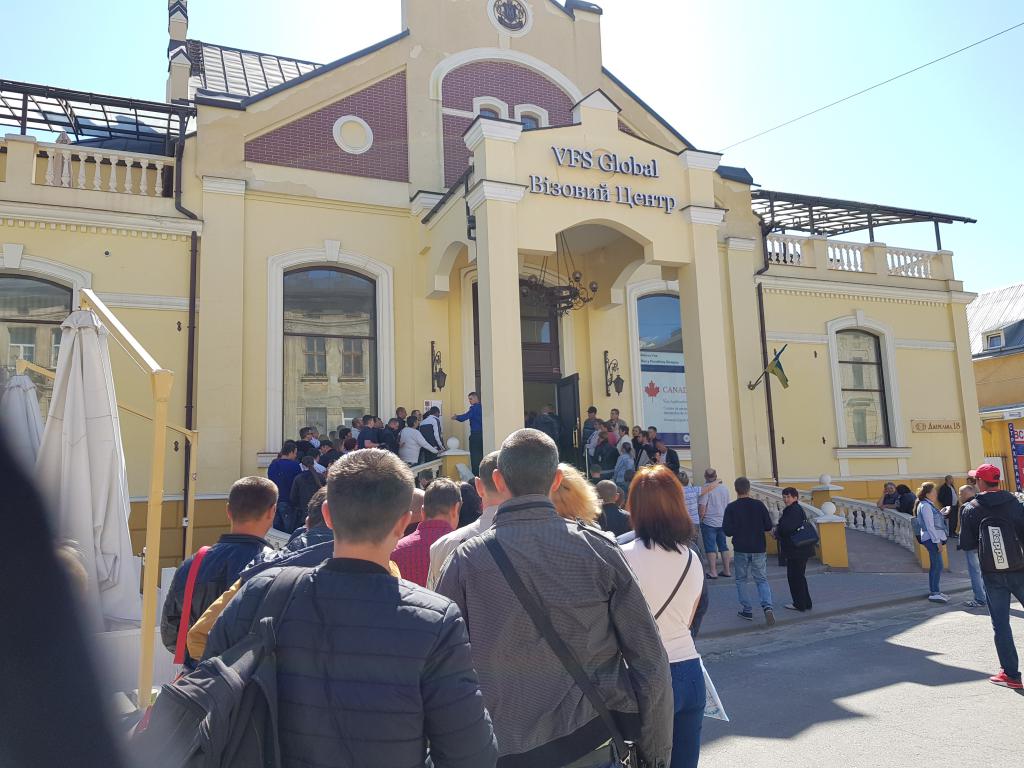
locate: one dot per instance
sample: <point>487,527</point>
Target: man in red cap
<point>994,525</point>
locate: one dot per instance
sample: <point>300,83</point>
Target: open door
<point>570,445</point>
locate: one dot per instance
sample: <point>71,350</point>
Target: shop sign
<point>606,162</point>
<point>948,427</point>
<point>1017,455</point>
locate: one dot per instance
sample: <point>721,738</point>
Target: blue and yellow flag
<point>775,368</point>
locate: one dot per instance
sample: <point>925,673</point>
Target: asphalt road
<point>902,686</point>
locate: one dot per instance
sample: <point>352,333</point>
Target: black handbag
<point>805,536</point>
<point>625,754</point>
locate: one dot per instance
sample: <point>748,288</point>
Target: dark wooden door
<point>568,395</point>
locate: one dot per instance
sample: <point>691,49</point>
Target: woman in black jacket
<point>796,557</point>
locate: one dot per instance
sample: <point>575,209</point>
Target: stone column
<point>702,293</point>
<point>501,359</point>
<point>493,199</point>
<point>220,331</point>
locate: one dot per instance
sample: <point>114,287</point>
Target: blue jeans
<point>934,566</point>
<point>974,569</point>
<point>689,697</point>
<point>747,565</point>
<point>714,538</point>
<point>1000,586</point>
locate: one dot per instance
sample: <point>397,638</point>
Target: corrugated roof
<point>239,72</point>
<point>1002,309</point>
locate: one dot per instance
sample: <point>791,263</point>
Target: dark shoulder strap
<point>679,583</point>
<point>279,596</point>
<point>554,640</point>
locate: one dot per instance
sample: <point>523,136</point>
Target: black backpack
<point>224,714</point>
<point>999,546</point>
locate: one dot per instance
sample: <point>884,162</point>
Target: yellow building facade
<point>308,234</point>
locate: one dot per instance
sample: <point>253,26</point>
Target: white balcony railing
<point>104,170</point>
<point>870,258</point>
<point>867,518</point>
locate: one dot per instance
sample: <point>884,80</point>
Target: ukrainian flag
<point>775,368</point>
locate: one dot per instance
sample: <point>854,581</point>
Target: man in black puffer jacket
<point>370,669</point>
<point>252,504</point>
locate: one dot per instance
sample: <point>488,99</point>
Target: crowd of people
<point>538,616</point>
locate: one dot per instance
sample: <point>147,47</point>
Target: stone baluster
<point>144,178</point>
<point>49,167</point>
<point>81,170</point>
<point>96,165</point>
<point>112,181</point>
<point>158,182</point>
<point>129,181</point>
<point>65,168</point>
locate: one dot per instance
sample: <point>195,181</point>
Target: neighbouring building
<point>478,194</point>
<point>996,320</point>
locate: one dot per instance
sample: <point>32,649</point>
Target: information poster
<point>1017,455</point>
<point>663,383</point>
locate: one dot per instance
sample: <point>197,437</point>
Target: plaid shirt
<point>412,555</point>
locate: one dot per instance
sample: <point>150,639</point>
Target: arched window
<point>662,368</point>
<point>31,312</point>
<point>489,112</point>
<point>330,348</point>
<point>530,121</point>
<point>862,385</point>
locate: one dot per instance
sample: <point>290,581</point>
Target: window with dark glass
<point>31,312</point>
<point>489,112</point>
<point>862,382</point>
<point>530,122</point>
<point>330,347</point>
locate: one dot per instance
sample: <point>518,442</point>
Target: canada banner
<point>664,396</point>
<point>1017,451</point>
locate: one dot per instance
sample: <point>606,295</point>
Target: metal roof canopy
<point>785,211</point>
<point>91,116</point>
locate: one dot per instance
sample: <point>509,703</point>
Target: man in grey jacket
<point>542,719</point>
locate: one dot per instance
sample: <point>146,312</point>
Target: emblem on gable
<point>511,14</point>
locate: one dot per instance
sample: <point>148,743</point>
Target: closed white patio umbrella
<point>22,421</point>
<point>81,469</point>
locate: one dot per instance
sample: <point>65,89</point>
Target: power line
<point>873,87</point>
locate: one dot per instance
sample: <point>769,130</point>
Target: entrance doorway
<point>544,383</point>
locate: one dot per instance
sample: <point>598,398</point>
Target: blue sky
<point>945,139</point>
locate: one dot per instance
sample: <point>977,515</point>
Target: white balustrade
<point>772,498</point>
<point>867,518</point>
<point>60,171</point>
<point>845,257</point>
<point>905,262</point>
<point>786,249</point>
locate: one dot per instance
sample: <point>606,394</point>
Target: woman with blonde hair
<point>933,536</point>
<point>576,498</point>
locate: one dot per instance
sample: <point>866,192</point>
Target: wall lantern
<point>438,378</point>
<point>612,378</point>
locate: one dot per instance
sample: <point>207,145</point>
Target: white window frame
<point>532,110</point>
<point>887,346</point>
<point>489,102</point>
<point>329,256</point>
<point>989,336</point>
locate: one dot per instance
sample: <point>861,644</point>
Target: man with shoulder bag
<point>994,525</point>
<point>570,660</point>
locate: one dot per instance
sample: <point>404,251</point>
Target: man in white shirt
<point>491,499</point>
<point>712,519</point>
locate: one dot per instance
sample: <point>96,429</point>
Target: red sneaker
<point>1006,681</point>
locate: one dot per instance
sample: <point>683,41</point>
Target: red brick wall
<point>511,83</point>
<point>309,142</point>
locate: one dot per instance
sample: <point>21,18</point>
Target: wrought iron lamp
<point>612,377</point>
<point>566,292</point>
<point>438,378</point>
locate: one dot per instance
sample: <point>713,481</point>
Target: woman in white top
<point>672,580</point>
<point>933,536</point>
<point>411,441</point>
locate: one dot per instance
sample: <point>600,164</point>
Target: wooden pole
<point>162,381</point>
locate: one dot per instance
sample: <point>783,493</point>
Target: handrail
<point>867,518</point>
<point>771,497</point>
<point>24,365</point>
<point>89,300</point>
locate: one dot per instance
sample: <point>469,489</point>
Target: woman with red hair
<point>672,579</point>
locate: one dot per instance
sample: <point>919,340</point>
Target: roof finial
<point>179,65</point>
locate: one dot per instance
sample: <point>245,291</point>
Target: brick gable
<point>308,142</point>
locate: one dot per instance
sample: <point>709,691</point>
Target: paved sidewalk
<point>881,574</point>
